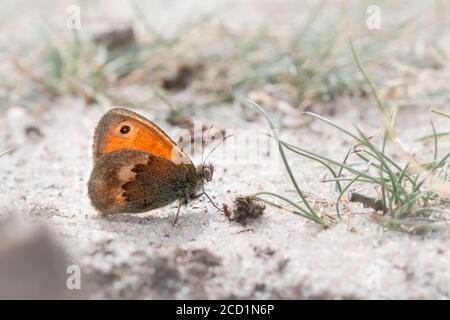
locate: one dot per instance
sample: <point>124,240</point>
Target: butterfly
<point>138,167</point>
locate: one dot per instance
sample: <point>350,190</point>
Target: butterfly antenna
<point>176,217</point>
<point>216,146</point>
<point>203,163</point>
<point>203,149</point>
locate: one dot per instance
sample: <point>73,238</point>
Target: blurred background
<point>294,51</point>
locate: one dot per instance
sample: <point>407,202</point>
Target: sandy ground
<point>205,256</point>
<point>280,255</point>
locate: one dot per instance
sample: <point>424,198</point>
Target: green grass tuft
<point>407,193</point>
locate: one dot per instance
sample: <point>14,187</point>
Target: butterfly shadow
<point>158,224</point>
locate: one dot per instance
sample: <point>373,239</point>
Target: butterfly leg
<point>196,196</point>
<point>178,212</point>
<point>184,200</point>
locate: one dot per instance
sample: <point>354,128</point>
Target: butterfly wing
<point>134,181</point>
<point>121,128</point>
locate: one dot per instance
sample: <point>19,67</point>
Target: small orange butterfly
<point>137,167</point>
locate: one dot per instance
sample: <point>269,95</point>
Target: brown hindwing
<point>134,181</point>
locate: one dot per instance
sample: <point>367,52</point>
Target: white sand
<point>279,256</point>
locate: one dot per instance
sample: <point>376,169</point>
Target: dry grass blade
<point>4,152</point>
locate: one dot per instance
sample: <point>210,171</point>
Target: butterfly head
<point>205,172</point>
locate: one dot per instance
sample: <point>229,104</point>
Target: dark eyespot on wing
<point>125,129</point>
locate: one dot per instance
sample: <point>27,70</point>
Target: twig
<point>368,202</point>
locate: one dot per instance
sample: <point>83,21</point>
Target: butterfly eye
<point>124,129</point>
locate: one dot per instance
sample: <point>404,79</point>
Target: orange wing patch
<point>140,137</point>
<point>121,128</point>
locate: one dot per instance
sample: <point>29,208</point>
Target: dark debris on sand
<point>244,208</point>
<point>120,37</point>
<point>182,78</point>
